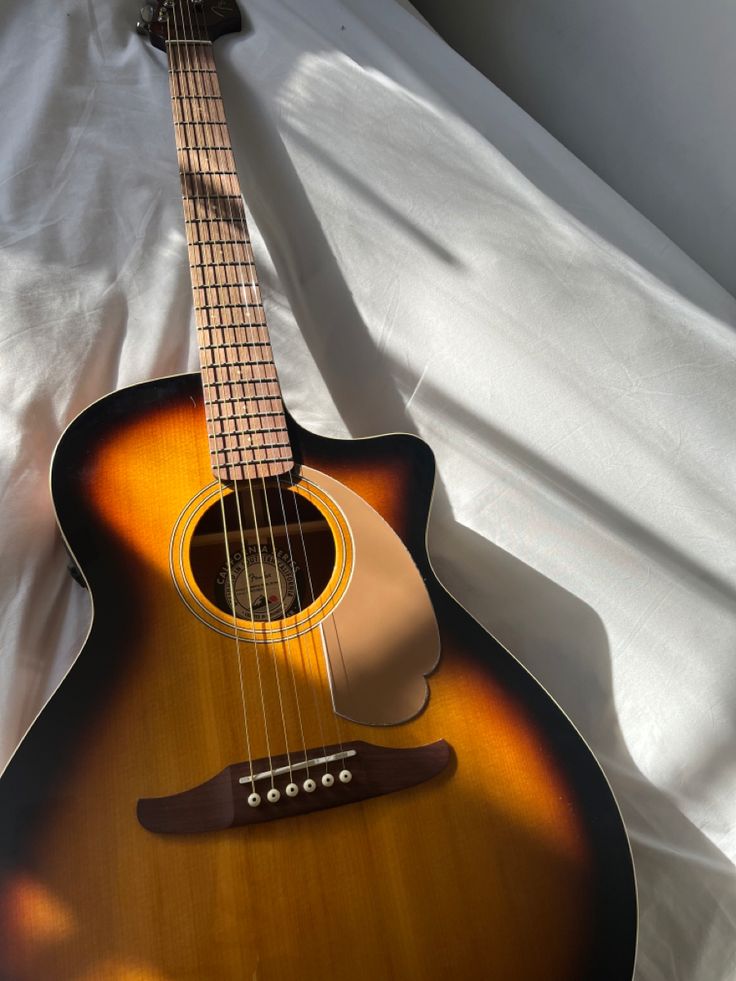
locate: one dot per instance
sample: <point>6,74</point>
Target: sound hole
<point>281,552</point>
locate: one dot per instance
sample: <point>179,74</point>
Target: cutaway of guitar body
<point>511,863</point>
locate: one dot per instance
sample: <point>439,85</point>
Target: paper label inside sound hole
<point>264,583</point>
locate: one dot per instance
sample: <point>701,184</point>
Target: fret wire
<point>274,439</point>
<point>249,447</point>
<point>276,414</point>
<point>193,183</point>
<point>239,214</point>
<point>241,400</point>
<point>231,286</point>
<point>247,453</point>
<point>239,364</point>
<point>211,286</point>
<point>247,456</point>
<point>251,286</point>
<point>215,265</point>
<point>222,344</point>
<point>219,329</point>
<point>244,242</point>
<point>201,221</point>
<point>263,344</point>
<point>281,427</point>
<point>224,242</point>
<point>276,420</point>
<point>204,240</point>
<point>266,380</point>
<point>201,272</point>
<point>227,306</point>
<point>210,145</point>
<point>243,469</point>
<point>224,168</point>
<point>241,447</point>
<point>224,262</point>
<point>209,173</point>
<point>200,122</point>
<point>248,415</point>
<point>277,424</point>
<point>269,429</point>
<point>259,414</point>
<point>276,396</point>
<point>256,380</point>
<point>227,302</point>
<point>237,245</point>
<point>225,324</point>
<point>218,345</point>
<point>236,398</point>
<point>216,286</point>
<point>246,343</point>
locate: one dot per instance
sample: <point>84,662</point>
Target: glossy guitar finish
<point>476,839</point>
<point>512,864</point>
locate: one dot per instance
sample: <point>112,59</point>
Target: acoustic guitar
<point>284,752</point>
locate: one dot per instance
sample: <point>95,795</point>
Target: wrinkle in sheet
<point>573,372</point>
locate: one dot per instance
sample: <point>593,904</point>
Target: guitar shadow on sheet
<point>558,637</point>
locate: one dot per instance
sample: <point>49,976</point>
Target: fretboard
<point>246,425</point>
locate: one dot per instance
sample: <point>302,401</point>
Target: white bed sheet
<point>433,261</point>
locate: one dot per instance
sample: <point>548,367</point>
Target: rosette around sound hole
<point>278,557</point>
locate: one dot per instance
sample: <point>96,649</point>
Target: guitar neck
<point>246,423</point>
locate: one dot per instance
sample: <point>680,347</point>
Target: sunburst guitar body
<point>284,752</point>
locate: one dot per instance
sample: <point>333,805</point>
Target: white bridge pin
<point>345,776</point>
<point>254,799</point>
<point>273,795</point>
<point>327,780</point>
<point>291,790</point>
<point>309,785</point>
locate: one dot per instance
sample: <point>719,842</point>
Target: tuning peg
<point>148,14</point>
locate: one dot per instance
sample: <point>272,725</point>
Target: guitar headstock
<point>187,20</point>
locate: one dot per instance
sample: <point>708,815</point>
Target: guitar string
<point>207,385</point>
<point>305,670</point>
<point>259,548</point>
<point>299,640</point>
<point>337,723</point>
<point>318,660</point>
<point>289,545</point>
<point>209,210</point>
